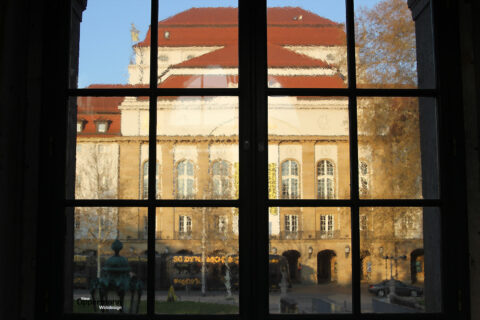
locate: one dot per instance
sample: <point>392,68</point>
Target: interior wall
<point>20,105</point>
<point>470,51</point>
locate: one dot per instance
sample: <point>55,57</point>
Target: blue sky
<point>106,47</point>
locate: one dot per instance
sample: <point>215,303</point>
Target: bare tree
<point>96,178</point>
<point>218,223</point>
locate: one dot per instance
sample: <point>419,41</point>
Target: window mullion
<point>246,193</point>
<point>260,147</point>
<point>352,115</point>
<point>152,158</point>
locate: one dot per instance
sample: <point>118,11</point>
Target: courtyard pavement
<point>340,296</point>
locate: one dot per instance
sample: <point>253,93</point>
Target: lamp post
<point>392,258</point>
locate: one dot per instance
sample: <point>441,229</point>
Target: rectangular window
<point>221,224</point>
<point>326,226</point>
<point>185,225</point>
<point>363,222</point>
<point>291,223</point>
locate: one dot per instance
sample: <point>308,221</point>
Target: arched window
<point>325,182</point>
<point>145,180</point>
<point>363,177</point>
<point>185,180</point>
<point>290,180</point>
<point>221,179</point>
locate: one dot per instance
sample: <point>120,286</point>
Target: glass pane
<point>310,269</point>
<point>110,163</point>
<point>308,148</point>
<point>105,255</point>
<point>193,134</point>
<point>400,259</point>
<point>110,54</point>
<point>397,148</point>
<point>197,44</point>
<point>386,43</point>
<point>306,44</point>
<point>197,262</point>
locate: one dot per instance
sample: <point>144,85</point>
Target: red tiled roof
<point>219,81</point>
<point>308,36</point>
<point>91,130</point>
<point>295,16</point>
<point>225,57</point>
<point>229,16</point>
<point>193,36</point>
<point>308,81</point>
<point>199,81</point>
<point>91,109</point>
<point>218,26</point>
<point>277,57</point>
<point>88,105</point>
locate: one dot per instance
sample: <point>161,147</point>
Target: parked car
<point>381,289</point>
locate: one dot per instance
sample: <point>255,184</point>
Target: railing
<point>364,234</point>
<point>188,235</point>
<point>291,235</point>
<point>221,235</point>
<point>301,235</point>
<point>328,234</point>
<point>283,235</point>
<point>210,235</point>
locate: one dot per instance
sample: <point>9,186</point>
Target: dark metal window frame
<point>253,202</point>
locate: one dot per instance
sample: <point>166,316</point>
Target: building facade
<point>197,153</point>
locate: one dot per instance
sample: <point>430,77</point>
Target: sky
<point>106,46</point>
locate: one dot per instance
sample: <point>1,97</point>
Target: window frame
<point>292,221</point>
<point>292,193</point>
<point>185,226</point>
<point>328,221</point>
<point>447,94</point>
<point>327,177</point>
<point>364,176</point>
<point>184,194</point>
<point>225,193</point>
<point>144,178</point>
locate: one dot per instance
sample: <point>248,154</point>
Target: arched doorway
<point>365,265</point>
<point>417,265</point>
<point>292,258</point>
<point>325,266</point>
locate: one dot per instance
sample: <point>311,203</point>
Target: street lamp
<point>392,258</point>
<point>310,251</point>
<point>274,250</point>
<point>347,251</point>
